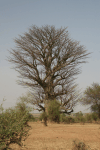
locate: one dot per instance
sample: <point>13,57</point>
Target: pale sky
<point>82,17</point>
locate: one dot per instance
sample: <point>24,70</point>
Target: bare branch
<point>48,60</point>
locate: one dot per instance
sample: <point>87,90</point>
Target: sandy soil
<point>60,136</point>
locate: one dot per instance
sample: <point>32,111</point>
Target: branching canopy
<point>47,60</point>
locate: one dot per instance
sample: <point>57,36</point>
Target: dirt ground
<point>60,136</point>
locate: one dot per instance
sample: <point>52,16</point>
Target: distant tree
<point>22,105</point>
<point>47,60</point>
<point>92,97</point>
<point>94,108</point>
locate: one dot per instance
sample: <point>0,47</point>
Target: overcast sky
<point>82,17</point>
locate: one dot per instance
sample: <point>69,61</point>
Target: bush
<point>79,114</point>
<point>82,120</point>
<point>94,116</point>
<point>62,117</point>
<point>69,119</point>
<point>88,118</point>
<point>79,117</point>
<point>66,119</point>
<point>77,145</point>
<point>53,111</point>
<point>13,127</point>
<point>23,108</point>
<point>31,117</point>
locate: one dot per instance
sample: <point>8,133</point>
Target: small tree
<point>23,107</point>
<point>92,97</point>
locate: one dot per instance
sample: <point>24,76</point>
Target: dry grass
<point>60,136</point>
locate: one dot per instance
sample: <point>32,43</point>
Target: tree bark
<point>46,112</point>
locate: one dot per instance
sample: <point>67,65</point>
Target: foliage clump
<point>79,117</point>
<point>70,119</point>
<point>22,107</point>
<point>88,118</point>
<point>95,116</point>
<point>13,126</point>
<point>62,118</point>
<point>92,97</point>
<point>53,111</point>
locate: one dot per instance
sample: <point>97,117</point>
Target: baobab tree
<point>48,60</point>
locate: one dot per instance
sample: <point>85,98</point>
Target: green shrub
<point>94,116</point>
<point>88,118</point>
<point>79,117</point>
<point>13,127</point>
<point>53,111</point>
<point>72,120</point>
<point>82,120</point>
<point>66,119</point>
<point>62,117</point>
<point>69,119</point>
<point>79,114</point>
<point>31,117</point>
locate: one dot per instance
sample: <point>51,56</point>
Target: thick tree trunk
<point>45,121</point>
<point>46,112</point>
